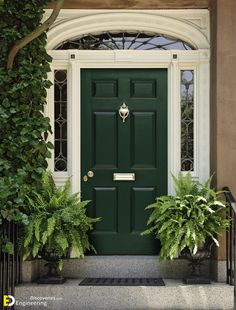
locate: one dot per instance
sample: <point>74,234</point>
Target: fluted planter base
<point>196,280</point>
<point>196,261</point>
<point>51,280</point>
<point>52,277</point>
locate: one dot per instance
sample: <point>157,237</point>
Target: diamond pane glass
<point>125,41</point>
<point>187,120</point>
<point>60,117</point>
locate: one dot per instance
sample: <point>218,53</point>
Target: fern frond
<point>51,225</point>
<point>57,222</point>
<point>187,219</point>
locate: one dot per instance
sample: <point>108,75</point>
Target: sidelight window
<point>187,120</point>
<point>60,120</point>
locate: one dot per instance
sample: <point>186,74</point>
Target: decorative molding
<point>198,18</point>
<point>74,23</point>
<point>131,56</point>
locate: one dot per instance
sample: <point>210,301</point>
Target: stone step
<point>175,295</point>
<point>125,266</point>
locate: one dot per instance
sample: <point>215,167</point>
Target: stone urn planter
<point>196,261</point>
<point>52,276</point>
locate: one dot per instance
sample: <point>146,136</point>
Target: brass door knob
<point>85,178</point>
<point>90,174</point>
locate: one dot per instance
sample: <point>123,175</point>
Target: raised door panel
<point>141,197</point>
<point>105,140</point>
<point>105,200</point>
<point>104,89</point>
<point>143,88</point>
<point>143,137</point>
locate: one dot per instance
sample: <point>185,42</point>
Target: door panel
<point>105,140</point>
<point>143,89</point>
<point>140,197</point>
<point>105,89</point>
<point>143,137</point>
<point>108,214</point>
<point>109,145</point>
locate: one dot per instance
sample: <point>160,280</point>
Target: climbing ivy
<point>23,127</point>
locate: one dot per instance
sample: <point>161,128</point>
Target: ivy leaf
<point>6,103</point>
<point>8,247</point>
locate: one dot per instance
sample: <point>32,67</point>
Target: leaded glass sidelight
<point>60,120</point>
<point>187,120</point>
<point>125,41</point>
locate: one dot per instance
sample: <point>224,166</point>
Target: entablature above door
<point>104,56</point>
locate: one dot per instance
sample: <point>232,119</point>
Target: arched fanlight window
<point>125,41</point>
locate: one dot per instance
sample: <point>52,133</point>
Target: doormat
<point>122,282</point>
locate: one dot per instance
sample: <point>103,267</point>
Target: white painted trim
<point>204,121</point>
<point>198,60</point>
<point>49,112</point>
<point>75,145</point>
<point>189,25</point>
<point>173,124</point>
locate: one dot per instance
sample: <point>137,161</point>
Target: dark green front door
<point>109,145</point>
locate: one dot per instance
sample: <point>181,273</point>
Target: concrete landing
<point>174,295</point>
<point>139,266</point>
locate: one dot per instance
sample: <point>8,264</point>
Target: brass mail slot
<point>123,176</point>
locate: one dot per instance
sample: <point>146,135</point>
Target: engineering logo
<point>8,300</point>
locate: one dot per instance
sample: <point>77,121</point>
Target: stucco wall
<point>223,98</point>
<point>226,94</point>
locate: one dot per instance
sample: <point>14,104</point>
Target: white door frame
<point>175,61</point>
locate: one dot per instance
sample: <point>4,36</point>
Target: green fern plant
<point>187,220</point>
<point>57,222</point>
<point>186,185</point>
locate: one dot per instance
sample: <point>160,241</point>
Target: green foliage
<point>185,185</point>
<point>57,222</point>
<point>5,245</point>
<point>187,220</point>
<point>23,126</point>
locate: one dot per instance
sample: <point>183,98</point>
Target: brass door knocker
<point>124,111</point>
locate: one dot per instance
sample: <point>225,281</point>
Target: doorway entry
<point>123,154</point>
